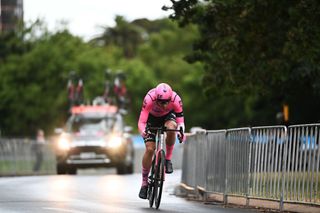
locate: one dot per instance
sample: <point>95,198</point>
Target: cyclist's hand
<point>182,138</point>
<point>144,134</point>
<point>181,135</point>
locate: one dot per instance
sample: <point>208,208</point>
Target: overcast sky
<point>85,16</point>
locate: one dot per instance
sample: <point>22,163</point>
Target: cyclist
<point>161,107</point>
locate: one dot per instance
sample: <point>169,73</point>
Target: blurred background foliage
<point>232,62</point>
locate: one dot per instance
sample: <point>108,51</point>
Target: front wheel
<point>159,179</point>
<point>151,182</point>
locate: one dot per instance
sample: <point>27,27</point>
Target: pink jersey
<point>150,106</point>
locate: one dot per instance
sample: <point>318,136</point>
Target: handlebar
<point>165,129</point>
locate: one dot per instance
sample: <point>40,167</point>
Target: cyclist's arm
<point>178,108</point>
<point>146,107</point>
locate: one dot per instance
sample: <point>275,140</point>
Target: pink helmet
<point>163,92</point>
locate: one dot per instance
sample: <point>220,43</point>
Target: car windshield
<point>93,125</point>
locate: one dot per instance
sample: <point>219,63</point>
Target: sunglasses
<point>163,102</point>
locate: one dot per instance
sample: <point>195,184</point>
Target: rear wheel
<point>130,168</point>
<point>121,169</point>
<point>61,168</point>
<point>131,163</point>
<point>72,170</point>
<point>159,179</point>
<point>126,167</point>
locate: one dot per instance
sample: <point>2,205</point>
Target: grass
<point>25,167</point>
<point>297,186</point>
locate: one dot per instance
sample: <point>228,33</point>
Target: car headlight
<point>114,142</point>
<point>63,143</point>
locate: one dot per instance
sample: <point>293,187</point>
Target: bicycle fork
<point>160,148</point>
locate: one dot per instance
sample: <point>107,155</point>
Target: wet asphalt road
<point>93,191</point>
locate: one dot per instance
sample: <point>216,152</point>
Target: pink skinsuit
<point>150,106</point>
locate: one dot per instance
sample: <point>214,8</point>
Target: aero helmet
<point>163,92</point>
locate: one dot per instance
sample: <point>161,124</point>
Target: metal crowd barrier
<point>237,161</point>
<point>188,176</point>
<point>267,152</point>
<point>216,164</point>
<point>302,176</point>
<point>275,163</point>
<point>22,157</point>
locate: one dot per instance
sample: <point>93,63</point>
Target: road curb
<point>182,190</point>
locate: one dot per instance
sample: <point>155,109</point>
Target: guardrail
<point>25,157</point>
<point>275,163</point>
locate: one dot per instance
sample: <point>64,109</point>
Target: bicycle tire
<point>151,183</point>
<point>159,174</point>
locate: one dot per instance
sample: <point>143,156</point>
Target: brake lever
<point>180,138</point>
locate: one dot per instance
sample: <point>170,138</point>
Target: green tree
<point>268,50</point>
<point>33,82</point>
<point>126,35</point>
<point>33,79</point>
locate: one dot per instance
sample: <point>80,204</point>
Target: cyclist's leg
<point>150,147</point>
<point>146,165</point>
<point>170,123</point>
<point>147,160</point>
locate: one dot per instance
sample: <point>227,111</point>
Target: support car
<point>94,136</point>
